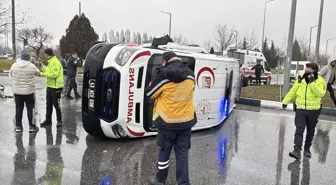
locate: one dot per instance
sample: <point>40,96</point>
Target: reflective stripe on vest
<point>172,120</point>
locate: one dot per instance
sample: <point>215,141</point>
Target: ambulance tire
<point>247,81</point>
<point>268,81</point>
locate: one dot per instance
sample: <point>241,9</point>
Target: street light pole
<point>236,37</point>
<point>334,52</point>
<point>263,34</point>
<point>310,37</point>
<point>327,44</point>
<point>170,19</point>
<point>289,49</point>
<point>317,49</point>
<point>13,29</point>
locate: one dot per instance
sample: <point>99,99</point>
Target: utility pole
<point>327,44</point>
<point>170,21</point>
<point>263,34</point>
<point>13,30</point>
<point>236,37</point>
<point>80,8</point>
<point>310,37</point>
<point>289,49</point>
<point>317,49</point>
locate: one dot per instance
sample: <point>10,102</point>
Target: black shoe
<point>154,181</point>
<point>46,123</point>
<point>296,154</point>
<point>33,129</point>
<point>59,124</point>
<point>68,97</point>
<point>307,153</point>
<point>18,129</point>
<point>77,96</point>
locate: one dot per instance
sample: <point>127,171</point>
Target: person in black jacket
<point>71,73</point>
<point>259,69</point>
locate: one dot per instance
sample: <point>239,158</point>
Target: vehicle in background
<point>247,60</point>
<point>115,105</point>
<point>297,68</point>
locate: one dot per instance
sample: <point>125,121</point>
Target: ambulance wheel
<point>247,81</point>
<point>268,81</point>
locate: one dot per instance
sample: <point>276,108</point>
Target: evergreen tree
<point>297,56</point>
<point>122,36</point>
<point>117,37</point>
<point>134,38</point>
<point>78,37</point>
<point>212,51</point>
<point>244,44</point>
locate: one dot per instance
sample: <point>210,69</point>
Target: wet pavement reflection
<point>251,147</point>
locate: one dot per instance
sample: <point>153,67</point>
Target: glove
<point>311,78</point>
<point>284,106</point>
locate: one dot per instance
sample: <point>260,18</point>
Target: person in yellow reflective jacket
<point>55,83</point>
<point>307,92</point>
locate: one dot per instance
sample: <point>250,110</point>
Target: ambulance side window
<point>266,66</point>
<point>189,62</point>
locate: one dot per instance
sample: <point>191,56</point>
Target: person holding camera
<point>307,92</point>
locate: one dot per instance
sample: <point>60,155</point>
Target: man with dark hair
<point>174,116</point>
<point>259,69</point>
<point>307,92</point>
<point>55,83</point>
<point>72,73</point>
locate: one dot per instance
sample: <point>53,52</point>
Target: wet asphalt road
<point>250,148</point>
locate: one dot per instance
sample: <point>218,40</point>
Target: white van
<point>115,105</point>
<point>247,60</point>
<point>297,68</point>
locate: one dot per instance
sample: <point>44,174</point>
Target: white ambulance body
<point>248,59</point>
<point>115,77</point>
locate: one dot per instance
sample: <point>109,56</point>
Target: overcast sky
<point>195,19</point>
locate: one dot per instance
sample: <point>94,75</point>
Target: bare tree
<point>139,41</point>
<point>249,42</point>
<point>181,40</point>
<point>134,38</point>
<point>122,36</point>
<point>104,37</point>
<point>111,36</point>
<point>35,38</point>
<point>117,37</point>
<point>128,36</point>
<point>208,45</point>
<point>150,39</point>
<point>224,36</point>
<point>6,15</point>
<point>145,37</point>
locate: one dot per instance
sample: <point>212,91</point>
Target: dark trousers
<point>258,79</point>
<point>332,92</point>
<point>303,119</point>
<point>180,140</point>
<point>71,84</point>
<point>53,100</point>
<point>20,101</point>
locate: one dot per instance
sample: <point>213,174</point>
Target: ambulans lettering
<point>130,96</point>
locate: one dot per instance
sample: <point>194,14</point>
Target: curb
<point>278,105</point>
